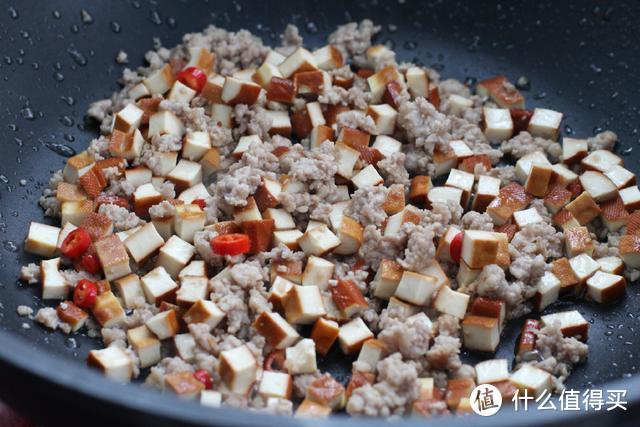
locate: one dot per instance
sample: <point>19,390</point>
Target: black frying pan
<point>581,58</point>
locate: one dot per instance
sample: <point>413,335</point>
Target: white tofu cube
<point>128,119</point>
<point>387,145</point>
<point>611,264</point>
<point>174,255</point>
<point>146,346</point>
<point>481,333</point>
<point>159,81</point>
<point>526,162</point>
<point>204,311</point>
<point>573,150</point>
<point>54,285</point>
<point>143,243</point>
<point>318,241</point>
<point>130,290</point>
<point>108,311</point>
<point>265,73</point>
<point>181,93</point>
<point>144,197</point>
<point>378,82</point>
<point>444,194</point>
<point>113,362</point>
<point>352,335</point>
<point>196,145</point>
<point>346,158</point>
<point>459,104</point>
<point>451,302</point>
<point>113,257</point>
<point>275,384</point>
<point>138,176</point>
<point>498,124</point>
<point>282,220</point>
<point>164,324</point>
<point>317,272</point>
<point>300,60</point>
<point>238,369</point>
<point>387,278</point>
<point>572,323</point>
<point>371,353</point>
<point>534,380</point>
<point>165,123</point>
<point>303,305</point>
<point>606,287</point>
<point>222,115</point>
<point>211,398</point>
<point>42,239</point>
<point>492,371</point>
<point>192,289</point>
<point>276,330</point>
<point>527,217</point>
<point>462,180</point>
<point>198,191</point>
<point>280,122</point>
<point>328,57</point>
<point>417,82</point>
<point>189,220</point>
<point>417,289</point>
<point>547,291</point>
<point>158,286</point>
<point>630,197</point>
<point>479,248</point>
<point>186,174</point>
<point>601,161</point>
<point>488,189</point>
<point>301,358</point>
<point>185,345</point>
<point>384,117</point>
<point>236,91</point>
<point>583,267</point>
<point>599,187</point>
<point>545,123</point>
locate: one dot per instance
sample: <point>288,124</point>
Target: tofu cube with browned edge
<point>114,363</point>
<point>158,286</point>
<point>481,333</point>
<point>276,330</point>
<point>204,311</point>
<point>164,324</point>
<point>42,239</point>
<point>352,336</point>
<point>301,358</point>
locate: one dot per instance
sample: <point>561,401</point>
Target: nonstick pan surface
<point>580,57</point>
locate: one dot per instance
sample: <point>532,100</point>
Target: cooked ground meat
<point>602,141</point>
<point>393,169</point>
<point>420,249</point>
<point>524,143</point>
<point>30,273</point>
<point>49,318</point>
<point>353,39</point>
<point>410,337</point>
<point>24,310</point>
<point>473,220</point>
<point>356,120</point>
<point>121,217</point>
<point>366,205</point>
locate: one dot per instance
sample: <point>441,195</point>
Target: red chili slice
<point>193,77</point>
<point>231,244</point>
<point>91,263</point>
<point>76,243</point>
<point>204,377</point>
<point>85,293</point>
<point>455,248</point>
<point>200,202</point>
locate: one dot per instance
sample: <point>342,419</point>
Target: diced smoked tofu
<point>290,269</point>
<point>146,346</point>
<point>481,333</point>
<point>601,161</point>
<point>113,362</point>
<point>444,194</point>
<point>158,286</point>
<point>577,240</point>
<point>534,380</point>
<point>629,247</point>
<point>620,176</point>
<point>350,234</point>
<point>282,220</point>
<point>42,239</point>
<point>328,57</point>
<point>113,257</point>
<point>299,61</point>
<point>185,345</point>
<point>275,384</point>
<point>301,358</point>
<point>528,336</point>
<point>201,58</point>
<point>312,82</point>
<point>309,409</point>
<point>545,123</point>
<point>488,189</point>
<point>54,285</point>
<point>611,264</point>
<point>128,119</point>
<point>417,82</point>
<point>238,369</point>
<point>318,241</point>
<point>574,150</point>
<point>526,162</point>
<point>210,398</point>
<point>498,125</point>
<point>394,201</point>
<point>181,93</point>
<point>71,314</point>
<point>265,73</point>
<point>303,305</point>
<point>222,115</point>
<point>583,208</point>
<point>417,289</point>
<point>346,158</point>
<point>66,192</point>
<point>451,302</point>
<point>572,324</point>
<point>183,384</point>
<point>317,272</point>
<point>420,187</point>
<point>547,291</point>
<point>387,278</point>
<point>244,75</point>
<point>462,180</point>
<point>93,181</point>
<point>443,252</point>
<point>165,123</point>
<point>538,180</point>
<point>606,287</point>
<point>561,268</point>
<point>281,90</point>
<point>138,176</point>
<point>384,117</point>
<point>144,197</point>
<point>76,166</point>
<point>387,145</point>
<point>479,248</point>
<point>324,333</point>
<point>189,219</point>
<point>556,198</point>
<point>371,353</point>
<point>583,266</point>
<point>466,274</point>
<point>527,217</point>
<point>164,324</point>
<point>186,174</point>
<point>139,91</point>
<point>196,145</point>
<point>280,123</point>
<point>631,198</point>
<point>458,389</point>
<point>288,238</point>
<point>143,243</point>
<point>599,187</point>
<point>489,307</point>
<point>562,175</point>
<point>108,311</point>
<point>204,311</point>
<point>174,255</point>
<point>277,331</point>
<point>192,289</point>
<point>501,92</point>
<point>352,335</point>
<point>236,92</point>
<point>459,104</point>
<point>378,82</point>
<point>348,298</point>
<point>159,81</point>
<point>367,177</point>
<point>320,134</point>
<point>130,290</point>
<point>492,371</point>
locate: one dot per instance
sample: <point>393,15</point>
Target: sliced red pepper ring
<point>91,263</point>
<point>85,293</point>
<point>204,377</point>
<point>76,243</point>
<point>231,244</point>
<point>193,77</point>
<point>455,248</point>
